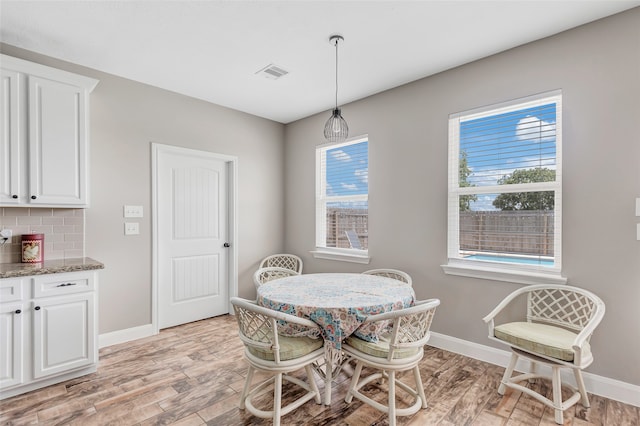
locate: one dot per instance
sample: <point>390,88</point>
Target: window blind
<point>504,183</point>
<point>342,188</point>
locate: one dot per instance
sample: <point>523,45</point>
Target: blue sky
<point>348,170</point>
<point>497,145</point>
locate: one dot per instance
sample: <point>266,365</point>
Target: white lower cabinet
<point>48,330</point>
<point>63,334</point>
<point>11,344</point>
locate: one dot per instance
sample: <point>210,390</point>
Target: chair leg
<point>354,383</point>
<point>507,373</point>
<point>382,377</point>
<point>419,386</point>
<point>392,398</point>
<point>557,394</point>
<point>312,383</point>
<point>277,399</point>
<point>581,388</point>
<point>247,384</point>
<point>328,380</point>
<point>533,368</point>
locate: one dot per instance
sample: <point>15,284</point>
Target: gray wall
<point>597,66</point>
<point>125,118</point>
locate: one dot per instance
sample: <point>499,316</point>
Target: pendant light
<point>336,128</point>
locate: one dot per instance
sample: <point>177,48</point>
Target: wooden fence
<point>519,231</point>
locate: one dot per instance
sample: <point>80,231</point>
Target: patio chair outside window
<point>354,241</point>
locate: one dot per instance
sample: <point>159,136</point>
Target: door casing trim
<point>232,181</point>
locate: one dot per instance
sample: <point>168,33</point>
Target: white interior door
<point>192,235</point>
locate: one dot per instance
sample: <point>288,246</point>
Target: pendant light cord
<point>336,128</point>
<point>337,72</point>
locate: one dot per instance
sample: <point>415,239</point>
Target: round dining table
<point>339,303</point>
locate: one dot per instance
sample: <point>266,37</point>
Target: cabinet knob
<point>14,196</point>
<point>37,308</point>
<point>18,311</point>
<point>33,197</point>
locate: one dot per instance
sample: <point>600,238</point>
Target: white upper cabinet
<point>10,138</point>
<point>44,142</point>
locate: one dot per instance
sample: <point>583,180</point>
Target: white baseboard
<point>126,335</point>
<point>598,385</point>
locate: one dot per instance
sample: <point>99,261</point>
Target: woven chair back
<point>410,326</point>
<point>286,261</point>
<point>568,308</point>
<point>414,328</point>
<point>264,275</point>
<point>391,273</point>
<point>261,327</point>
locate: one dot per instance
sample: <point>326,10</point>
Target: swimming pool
<point>511,259</point>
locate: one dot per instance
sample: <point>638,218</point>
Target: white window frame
<point>516,273</point>
<point>322,199</point>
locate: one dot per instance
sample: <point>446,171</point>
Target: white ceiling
<point>211,50</point>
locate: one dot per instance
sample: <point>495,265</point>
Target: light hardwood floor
<point>193,375</point>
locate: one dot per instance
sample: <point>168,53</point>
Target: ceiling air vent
<point>273,72</point>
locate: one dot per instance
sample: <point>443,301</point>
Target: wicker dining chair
<point>263,275</point>
<point>283,260</point>
<point>268,350</point>
<point>391,273</point>
<point>555,331</point>
<point>400,349</point>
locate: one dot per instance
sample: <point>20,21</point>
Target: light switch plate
<point>637,206</point>
<point>132,211</point>
<point>638,232</point>
<point>131,228</point>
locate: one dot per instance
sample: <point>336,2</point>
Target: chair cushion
<point>543,339</point>
<point>379,349</point>
<point>290,348</point>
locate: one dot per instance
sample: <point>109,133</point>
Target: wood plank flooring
<point>193,375</point>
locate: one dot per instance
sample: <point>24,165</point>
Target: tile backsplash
<point>63,231</point>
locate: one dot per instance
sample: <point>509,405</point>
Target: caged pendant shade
<point>336,128</point>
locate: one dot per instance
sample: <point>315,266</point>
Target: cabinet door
<point>11,161</point>
<point>11,344</point>
<point>57,143</point>
<point>64,334</point>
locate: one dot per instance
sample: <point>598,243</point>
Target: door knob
<point>227,245</point>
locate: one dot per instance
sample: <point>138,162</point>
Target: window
<point>342,200</point>
<point>505,191</point>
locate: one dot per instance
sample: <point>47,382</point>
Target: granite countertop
<point>13,270</point>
